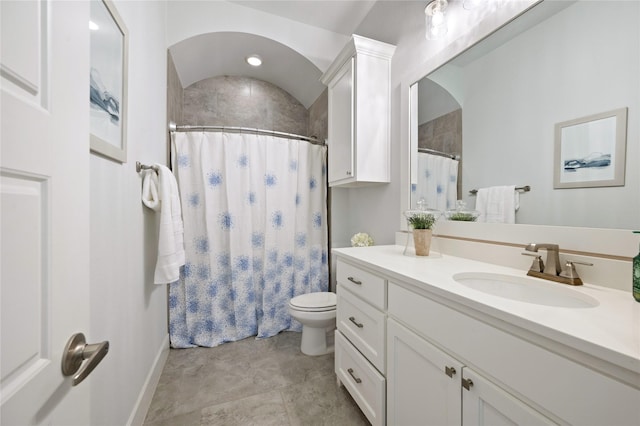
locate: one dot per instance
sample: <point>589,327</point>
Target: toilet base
<point>314,341</point>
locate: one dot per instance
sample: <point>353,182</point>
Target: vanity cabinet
<point>360,338</point>
<point>512,377</point>
<point>415,353</point>
<point>426,386</point>
<point>359,97</point>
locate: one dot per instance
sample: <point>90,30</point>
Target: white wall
<point>377,210</point>
<point>126,307</point>
<point>555,66</point>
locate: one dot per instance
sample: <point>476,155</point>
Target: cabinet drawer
<point>363,284</point>
<point>363,325</point>
<point>362,380</point>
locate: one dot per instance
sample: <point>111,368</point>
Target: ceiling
<point>339,16</point>
<point>223,53</point>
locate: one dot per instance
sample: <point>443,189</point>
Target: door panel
<point>44,190</point>
<point>485,404</point>
<point>423,383</point>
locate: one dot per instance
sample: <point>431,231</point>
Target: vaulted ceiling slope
<point>296,39</point>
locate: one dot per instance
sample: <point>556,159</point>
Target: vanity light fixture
<point>471,4</point>
<point>254,60</point>
<point>435,19</point>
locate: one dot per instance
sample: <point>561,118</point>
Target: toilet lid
<point>319,301</point>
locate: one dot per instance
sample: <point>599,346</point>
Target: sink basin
<point>525,289</point>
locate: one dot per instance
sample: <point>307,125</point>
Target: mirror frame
<point>613,243</point>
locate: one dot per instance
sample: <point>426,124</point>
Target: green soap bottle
<point>636,275</point>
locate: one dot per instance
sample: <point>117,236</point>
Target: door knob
<point>76,351</point>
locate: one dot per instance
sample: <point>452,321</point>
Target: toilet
<point>317,314</point>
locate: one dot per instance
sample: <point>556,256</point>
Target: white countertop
<point>609,331</point>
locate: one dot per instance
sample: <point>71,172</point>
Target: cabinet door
<point>341,137</point>
<point>423,383</point>
<point>484,403</point>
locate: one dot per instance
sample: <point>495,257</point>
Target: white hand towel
<point>150,196</point>
<point>160,193</point>
<point>498,204</point>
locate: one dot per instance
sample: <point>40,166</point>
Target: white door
<point>341,136</point>
<point>44,188</point>
<point>423,383</point>
<point>485,404</point>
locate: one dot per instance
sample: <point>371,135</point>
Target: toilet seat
<point>314,302</point>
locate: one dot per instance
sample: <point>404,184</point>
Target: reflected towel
<point>498,204</point>
<point>160,193</point>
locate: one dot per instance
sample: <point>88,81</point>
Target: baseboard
<point>141,407</point>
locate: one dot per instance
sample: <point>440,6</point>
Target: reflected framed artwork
<point>591,151</point>
<point>108,82</point>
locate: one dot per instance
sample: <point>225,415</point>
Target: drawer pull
<point>353,320</point>
<point>353,280</point>
<point>467,383</point>
<point>357,379</point>
<point>449,371</point>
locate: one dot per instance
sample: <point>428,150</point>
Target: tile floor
<point>251,382</point>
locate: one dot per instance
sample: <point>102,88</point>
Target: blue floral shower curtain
<point>255,232</point>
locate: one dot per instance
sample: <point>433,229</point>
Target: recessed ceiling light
<point>254,60</point>
<point>93,26</point>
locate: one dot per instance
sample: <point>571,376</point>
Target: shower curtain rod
<point>443,154</point>
<point>173,127</point>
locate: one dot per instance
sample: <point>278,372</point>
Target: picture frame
<point>108,82</point>
<point>591,151</point>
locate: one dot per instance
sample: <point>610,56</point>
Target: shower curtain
<point>437,181</point>
<point>255,232</point>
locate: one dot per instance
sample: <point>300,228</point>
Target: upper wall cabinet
<point>359,113</point>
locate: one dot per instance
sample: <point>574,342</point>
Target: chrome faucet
<point>551,269</point>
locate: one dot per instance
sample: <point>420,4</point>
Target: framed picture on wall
<point>108,82</point>
<point>591,151</point>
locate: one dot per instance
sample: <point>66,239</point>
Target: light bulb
<point>438,18</point>
<point>254,60</point>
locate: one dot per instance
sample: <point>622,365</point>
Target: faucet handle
<point>538,264</point>
<point>571,273</point>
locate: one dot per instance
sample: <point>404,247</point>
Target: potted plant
<point>421,222</point>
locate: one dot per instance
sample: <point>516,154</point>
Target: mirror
<point>559,61</point>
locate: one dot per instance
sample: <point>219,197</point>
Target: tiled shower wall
<point>444,134</point>
<point>243,102</point>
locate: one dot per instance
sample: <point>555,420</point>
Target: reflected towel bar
<point>525,188</point>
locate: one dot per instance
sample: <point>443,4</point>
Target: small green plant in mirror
<point>421,220</point>
<point>463,217</point>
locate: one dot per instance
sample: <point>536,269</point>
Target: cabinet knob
<point>449,371</point>
<point>348,173</point>
<point>467,383</point>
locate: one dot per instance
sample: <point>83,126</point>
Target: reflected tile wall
<point>243,102</point>
<point>444,134</point>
